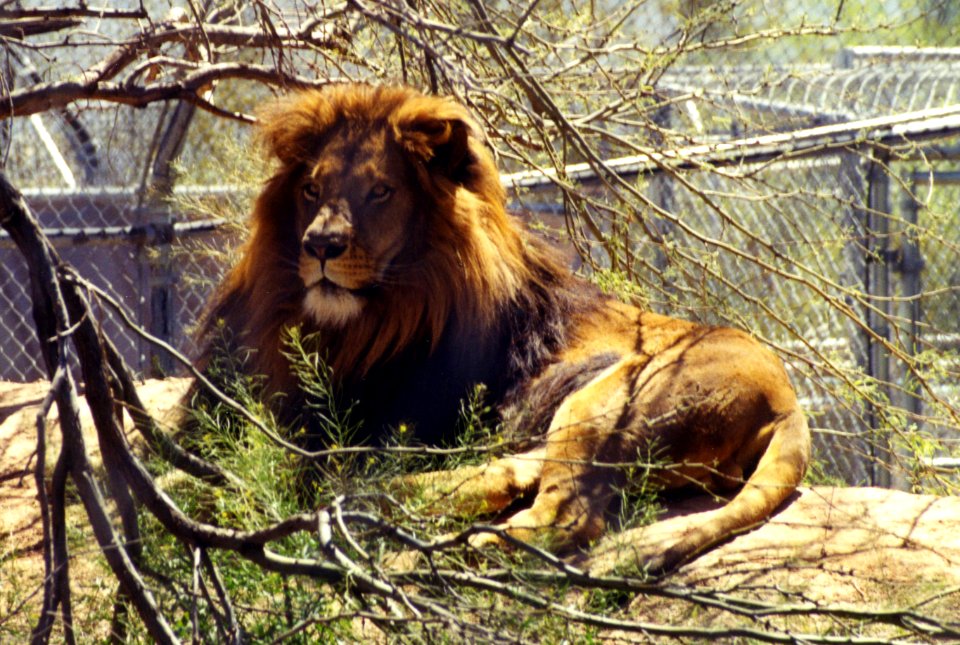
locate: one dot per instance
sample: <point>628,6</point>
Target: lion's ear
<point>440,141</point>
<point>291,127</point>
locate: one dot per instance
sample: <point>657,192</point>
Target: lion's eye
<point>311,192</point>
<point>379,193</point>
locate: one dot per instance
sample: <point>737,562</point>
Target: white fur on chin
<point>332,308</point>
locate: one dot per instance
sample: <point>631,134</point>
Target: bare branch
<point>50,96</point>
<point>79,11</point>
<point>20,28</point>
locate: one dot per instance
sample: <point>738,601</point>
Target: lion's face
<point>389,209</point>
<point>354,210</point>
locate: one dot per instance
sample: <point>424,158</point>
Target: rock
<point>866,546</point>
<point>827,545</point>
<point>871,533</point>
<point>19,405</point>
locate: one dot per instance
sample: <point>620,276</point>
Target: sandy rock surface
<point>865,546</point>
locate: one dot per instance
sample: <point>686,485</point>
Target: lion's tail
<point>778,473</point>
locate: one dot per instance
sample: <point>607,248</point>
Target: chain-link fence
<point>833,282</point>
<point>124,249</point>
<point>843,257</point>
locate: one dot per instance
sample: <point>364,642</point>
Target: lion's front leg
<point>473,490</point>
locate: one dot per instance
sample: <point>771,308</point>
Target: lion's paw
<point>529,527</point>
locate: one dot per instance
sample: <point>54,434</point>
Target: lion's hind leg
<point>734,413</point>
<point>778,473</point>
<point>668,543</point>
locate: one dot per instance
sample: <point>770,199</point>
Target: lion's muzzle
<point>333,266</point>
<point>325,247</point>
<point>328,235</point>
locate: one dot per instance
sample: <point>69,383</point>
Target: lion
<point>384,235</point>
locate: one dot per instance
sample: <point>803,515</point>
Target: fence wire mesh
<point>843,259</point>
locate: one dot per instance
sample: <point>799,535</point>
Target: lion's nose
<point>325,246</point>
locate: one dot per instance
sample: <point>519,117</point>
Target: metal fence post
<point>163,278</point>
<point>855,186</point>
<point>163,273</point>
<point>910,265</point>
<point>877,283</point>
<point>662,193</point>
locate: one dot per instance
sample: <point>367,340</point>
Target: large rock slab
<point>863,546</point>
<point>872,551</point>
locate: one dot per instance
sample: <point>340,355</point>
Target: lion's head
<point>383,227</point>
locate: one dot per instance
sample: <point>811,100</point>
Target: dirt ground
<point>21,531</point>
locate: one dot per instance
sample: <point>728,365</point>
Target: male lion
<point>384,232</point>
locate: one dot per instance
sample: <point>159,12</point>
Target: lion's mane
<point>482,293</point>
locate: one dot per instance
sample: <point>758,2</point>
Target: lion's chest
<point>427,391</point>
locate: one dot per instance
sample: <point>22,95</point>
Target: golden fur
<point>384,231</point>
